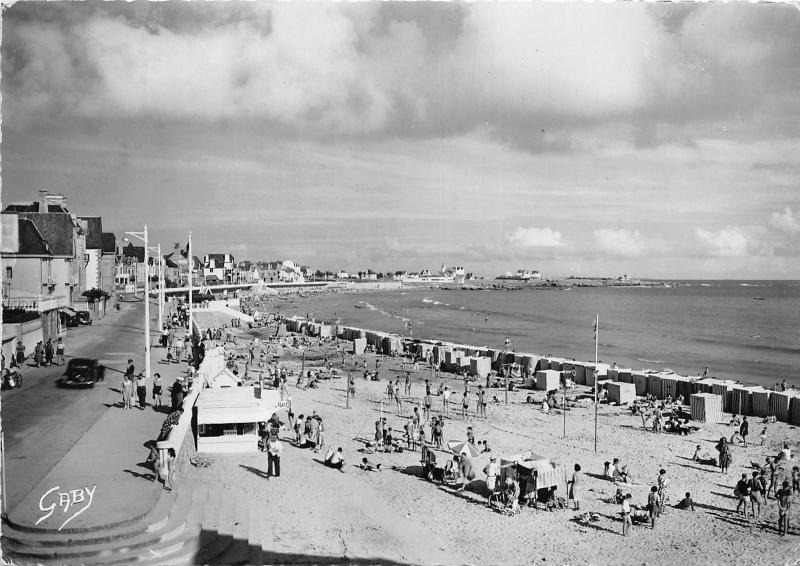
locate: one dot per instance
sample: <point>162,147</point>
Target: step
<point>77,550</point>
<point>239,551</point>
<point>165,546</point>
<point>214,540</point>
<point>32,537</point>
<point>256,535</point>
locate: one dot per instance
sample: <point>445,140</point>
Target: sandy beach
<point>394,515</point>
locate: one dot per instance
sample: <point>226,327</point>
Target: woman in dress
<point>663,486</point>
<point>575,486</point>
<point>127,392</point>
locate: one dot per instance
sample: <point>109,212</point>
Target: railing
<point>37,303</point>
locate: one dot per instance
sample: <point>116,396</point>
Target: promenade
<point>74,459</point>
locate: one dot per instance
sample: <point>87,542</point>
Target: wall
<point>93,270</point>
<point>107,270</point>
<point>29,332</point>
<point>26,277</point>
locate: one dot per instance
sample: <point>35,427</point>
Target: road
<point>42,422</point>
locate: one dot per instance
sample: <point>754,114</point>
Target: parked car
<point>82,372</point>
<point>79,318</point>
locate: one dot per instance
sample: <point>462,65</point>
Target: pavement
<point>74,458</point>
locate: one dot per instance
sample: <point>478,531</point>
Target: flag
<point>594,325</point>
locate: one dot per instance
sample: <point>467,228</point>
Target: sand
<point>397,516</point>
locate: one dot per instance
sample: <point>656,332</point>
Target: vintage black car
<point>82,372</point>
<point>72,318</point>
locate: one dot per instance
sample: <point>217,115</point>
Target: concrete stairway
<point>197,524</point>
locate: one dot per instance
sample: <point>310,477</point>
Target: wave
<point>651,361</point>
<point>751,285</point>
<point>428,300</point>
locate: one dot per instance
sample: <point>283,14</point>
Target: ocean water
<point>746,331</point>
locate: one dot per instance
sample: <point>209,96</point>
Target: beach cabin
<point>741,400</point>
<point>227,419</point>
<point>779,405</point>
<point>760,401</point>
<point>480,366</point>
<point>580,372</point>
<point>706,407</point>
<point>621,393</point>
<point>654,385</point>
<point>548,380</point>
<point>359,344</point>
<point>794,408</point>
<point>638,380</point>
<point>625,375</point>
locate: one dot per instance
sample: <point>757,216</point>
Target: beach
<point>395,516</point>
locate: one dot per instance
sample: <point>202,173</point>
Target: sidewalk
<point>103,478</point>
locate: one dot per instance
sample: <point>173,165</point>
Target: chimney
<point>43,201</point>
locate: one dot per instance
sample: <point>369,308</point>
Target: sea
<point>741,330</point>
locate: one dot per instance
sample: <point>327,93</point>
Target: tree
<point>95,294</point>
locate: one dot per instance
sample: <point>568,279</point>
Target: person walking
<point>784,496</point>
<point>663,486</point>
<point>157,390</point>
<point>49,351</point>
<point>60,351</point>
<point>575,486</point>
<point>274,448</point>
<point>481,402</point>
<point>744,429</point>
<point>652,506</point>
<point>38,354</point>
<point>427,406</point>
<point>724,455</point>
<point>130,370</point>
<point>141,391</point>
<point>127,391</point>
<point>626,515</point>
<point>20,352</point>
<point>756,489</point>
<point>742,493</point>
<point>465,404</point>
<point>408,385</point>
<point>446,400</point>
<point>170,469</point>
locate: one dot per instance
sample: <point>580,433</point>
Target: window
<point>9,273</point>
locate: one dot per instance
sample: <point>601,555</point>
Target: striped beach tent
<point>580,373</point>
<point>621,393</point>
<point>779,405</point>
<point>760,404</point>
<point>639,381</point>
<point>625,376</point>
<point>741,401</point>
<point>706,407</point>
<point>654,385</point>
<point>723,388</point>
<point>794,408</point>
<point>669,386</point>
<point>612,374</point>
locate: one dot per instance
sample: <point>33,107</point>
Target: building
<point>93,228</point>
<point>290,273</point>
<point>108,262</point>
<point>36,274</point>
<point>218,268</point>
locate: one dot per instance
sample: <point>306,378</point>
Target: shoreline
<point>394,320</point>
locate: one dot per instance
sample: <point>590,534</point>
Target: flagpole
<point>596,333</point>
<point>191,268</point>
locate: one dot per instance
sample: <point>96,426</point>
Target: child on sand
<point>686,502</point>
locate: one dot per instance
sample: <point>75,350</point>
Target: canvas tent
<point>533,472</point>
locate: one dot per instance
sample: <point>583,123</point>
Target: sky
<point>658,140</point>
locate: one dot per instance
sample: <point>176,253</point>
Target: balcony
<point>37,303</point>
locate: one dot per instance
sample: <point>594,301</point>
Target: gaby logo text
<point>71,503</point>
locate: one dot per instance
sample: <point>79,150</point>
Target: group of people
<point>45,354</point>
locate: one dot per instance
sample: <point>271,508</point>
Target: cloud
<point>787,221</point>
<point>728,242</point>
<point>535,237</point>
<point>622,242</point>
<point>516,70</point>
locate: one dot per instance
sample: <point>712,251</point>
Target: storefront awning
<point>69,311</point>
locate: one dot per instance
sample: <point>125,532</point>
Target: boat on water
<point>358,306</point>
<point>759,299</point>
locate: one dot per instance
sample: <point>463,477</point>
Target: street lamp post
<point>191,270</point>
<point>505,351</point>
<point>143,236</point>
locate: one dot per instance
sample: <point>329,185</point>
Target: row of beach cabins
<point>708,397</point>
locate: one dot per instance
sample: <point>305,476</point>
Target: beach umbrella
<point>463,447</point>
